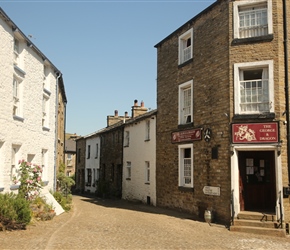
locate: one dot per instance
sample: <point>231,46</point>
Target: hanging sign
<point>186,135</point>
<point>255,132</point>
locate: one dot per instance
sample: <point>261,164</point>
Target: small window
<point>185,46</point>
<point>147,132</point>
<point>128,170</point>
<point>97,150</point>
<point>186,165</point>
<point>254,88</point>
<point>185,103</point>
<point>89,177</point>
<point>89,152</point>
<point>16,46</point>
<point>252,18</point>
<point>45,111</point>
<point>127,139</point>
<point>147,172</point>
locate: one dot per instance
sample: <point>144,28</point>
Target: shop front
<point>256,176</point>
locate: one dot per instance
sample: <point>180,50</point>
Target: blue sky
<point>104,49</point>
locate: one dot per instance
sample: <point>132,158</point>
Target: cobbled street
<point>96,223</point>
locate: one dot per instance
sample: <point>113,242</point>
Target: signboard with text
<point>255,132</point>
<point>186,135</point>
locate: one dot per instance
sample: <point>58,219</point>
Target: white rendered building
<point>139,156</point>
<point>92,166</point>
<point>29,90</point>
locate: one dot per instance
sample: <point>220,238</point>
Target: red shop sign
<point>255,132</point>
<point>186,135</point>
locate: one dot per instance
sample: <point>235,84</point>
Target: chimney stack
<point>138,110</point>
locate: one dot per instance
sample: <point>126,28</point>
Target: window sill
<point>14,187</point>
<point>126,146</point>
<point>267,38</point>
<point>45,128</point>
<point>147,183</point>
<point>186,125</point>
<point>19,70</point>
<point>147,140</point>
<point>254,116</point>
<point>185,63</point>
<point>186,189</point>
<point>128,179</point>
<point>46,91</point>
<point>18,118</point>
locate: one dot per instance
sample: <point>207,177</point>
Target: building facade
<point>139,159</point>
<point>221,134</point>
<point>29,83</point>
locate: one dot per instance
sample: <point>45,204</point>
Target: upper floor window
<point>185,103</point>
<point>45,111</point>
<point>89,152</point>
<point>147,131</point>
<point>97,150</point>
<point>185,46</point>
<point>254,87</point>
<point>252,18</point>
<point>127,139</point>
<point>185,165</point>
<point>16,46</point>
<point>17,100</point>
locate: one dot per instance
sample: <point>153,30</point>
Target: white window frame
<point>182,117</point>
<point>14,162</point>
<point>127,139</point>
<point>181,179</point>
<point>147,130</point>
<point>244,4</point>
<point>128,170</point>
<point>45,111</point>
<point>147,172</point>
<point>183,48</point>
<point>17,97</point>
<point>252,65</point>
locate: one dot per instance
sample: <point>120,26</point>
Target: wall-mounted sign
<point>255,132</point>
<point>212,190</point>
<point>186,135</point>
<point>207,135</point>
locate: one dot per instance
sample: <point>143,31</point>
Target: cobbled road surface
<point>96,223</point>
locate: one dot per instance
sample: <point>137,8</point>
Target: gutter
<point>56,129</point>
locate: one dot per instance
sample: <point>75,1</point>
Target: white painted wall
<point>93,162</point>
<point>138,152</point>
<point>27,132</point>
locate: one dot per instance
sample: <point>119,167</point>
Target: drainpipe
<point>286,87</point>
<point>56,129</point>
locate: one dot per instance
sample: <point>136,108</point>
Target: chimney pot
<point>136,103</point>
<point>116,112</point>
<point>142,104</point>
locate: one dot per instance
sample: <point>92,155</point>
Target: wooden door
<point>257,180</point>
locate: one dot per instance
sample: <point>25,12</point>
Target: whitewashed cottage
<point>31,92</point>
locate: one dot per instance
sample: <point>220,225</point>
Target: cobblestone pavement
<point>113,224</point>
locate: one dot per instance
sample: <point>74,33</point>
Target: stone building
<point>80,164</point>
<point>28,109</point>
<point>221,133</point>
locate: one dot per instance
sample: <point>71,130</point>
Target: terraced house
<point>222,128</point>
<point>32,108</point>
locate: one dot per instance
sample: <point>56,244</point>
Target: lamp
<point>279,147</point>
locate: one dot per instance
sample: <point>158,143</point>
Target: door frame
<point>235,148</point>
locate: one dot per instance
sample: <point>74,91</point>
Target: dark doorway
<point>257,181</point>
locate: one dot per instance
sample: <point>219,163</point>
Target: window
<point>147,172</point>
<point>254,88</point>
<point>14,161</point>
<point>185,165</point>
<point>16,46</point>
<point>252,18</point>
<point>79,155</point>
<point>128,168</point>
<point>17,100</point>
<point>97,150</point>
<point>185,103</point>
<point>127,139</point>
<point>45,112</point>
<point>185,46</point>
<point>44,174</point>
<point>89,177</point>
<point>89,152</point>
<point>147,132</point>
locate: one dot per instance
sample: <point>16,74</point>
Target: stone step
<point>256,223</point>
<point>249,215</point>
<point>259,230</point>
